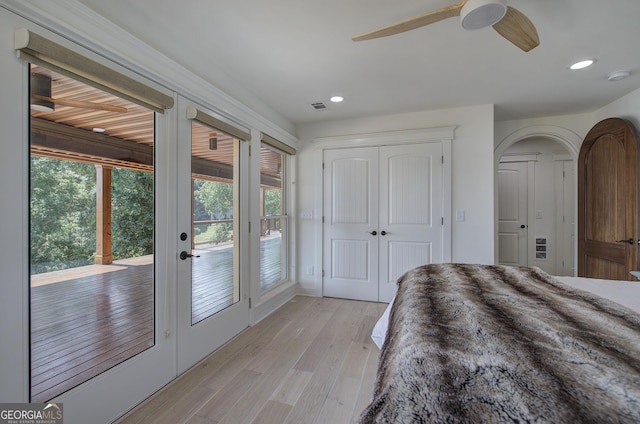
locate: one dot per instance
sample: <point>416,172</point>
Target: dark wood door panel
<point>601,268</point>
<point>608,184</point>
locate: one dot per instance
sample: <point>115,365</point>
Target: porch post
<point>103,215</point>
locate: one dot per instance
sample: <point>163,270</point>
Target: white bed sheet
<point>626,293</point>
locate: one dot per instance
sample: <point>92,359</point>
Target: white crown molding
<point>78,23</point>
<point>388,137</point>
<point>519,157</point>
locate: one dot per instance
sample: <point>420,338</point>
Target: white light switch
<point>460,215</point>
<point>306,214</point>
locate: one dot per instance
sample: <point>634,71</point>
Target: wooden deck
<point>89,319</point>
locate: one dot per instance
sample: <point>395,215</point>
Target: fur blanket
<point>494,344</point>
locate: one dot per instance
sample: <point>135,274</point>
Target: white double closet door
<point>382,217</point>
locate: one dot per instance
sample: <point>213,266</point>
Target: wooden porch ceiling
<point>128,137</point>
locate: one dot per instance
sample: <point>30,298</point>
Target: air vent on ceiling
<point>319,106</point>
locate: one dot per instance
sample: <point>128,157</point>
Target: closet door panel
<point>410,211</point>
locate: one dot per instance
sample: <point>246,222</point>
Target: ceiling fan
<point>42,101</point>
<point>474,14</point>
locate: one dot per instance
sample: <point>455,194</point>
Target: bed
<point>467,343</point>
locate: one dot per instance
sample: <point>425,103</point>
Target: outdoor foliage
<point>63,214</point>
<point>213,200</point>
<point>132,213</point>
<point>272,202</point>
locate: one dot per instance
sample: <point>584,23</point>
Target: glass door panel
<point>215,283</point>
<point>273,219</point>
<point>92,220</point>
<point>213,305</point>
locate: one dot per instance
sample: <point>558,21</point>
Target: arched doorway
<point>535,199</point>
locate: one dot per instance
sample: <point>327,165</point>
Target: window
<point>274,219</point>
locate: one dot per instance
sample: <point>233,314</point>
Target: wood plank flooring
<point>311,361</point>
<point>88,319</point>
<point>83,326</point>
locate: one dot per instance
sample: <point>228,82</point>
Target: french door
<point>382,217</point>
<point>212,305</point>
<point>101,331</point>
<point>96,289</point>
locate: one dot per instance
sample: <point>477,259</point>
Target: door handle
<point>384,233</point>
<point>523,226</point>
<point>374,233</point>
<point>630,241</point>
<point>184,255</point>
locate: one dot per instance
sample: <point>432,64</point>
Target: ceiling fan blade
<point>414,22</point>
<point>82,104</point>
<point>518,29</point>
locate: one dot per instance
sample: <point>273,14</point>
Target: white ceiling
<point>291,53</point>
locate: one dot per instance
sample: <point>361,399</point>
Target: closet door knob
<point>374,233</point>
<point>383,232</point>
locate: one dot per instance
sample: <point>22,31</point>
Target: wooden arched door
<point>608,172</point>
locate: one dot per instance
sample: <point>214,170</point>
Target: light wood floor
<point>311,361</point>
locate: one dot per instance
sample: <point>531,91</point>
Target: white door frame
<point>150,369</point>
<point>444,135</point>
<point>565,192</point>
<point>566,138</point>
<point>194,342</point>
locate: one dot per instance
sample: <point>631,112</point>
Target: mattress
<point>626,293</point>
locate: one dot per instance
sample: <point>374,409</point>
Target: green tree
<point>216,197</point>
<point>273,202</point>
<point>63,214</point>
<point>63,211</point>
<point>132,215</point>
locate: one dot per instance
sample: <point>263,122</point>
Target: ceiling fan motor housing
<point>476,14</point>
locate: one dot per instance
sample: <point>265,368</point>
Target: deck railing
<point>214,231</point>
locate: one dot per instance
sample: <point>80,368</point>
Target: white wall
<point>627,107</point>
<point>472,181</point>
<point>578,125</point>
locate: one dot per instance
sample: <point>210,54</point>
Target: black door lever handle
<point>630,241</point>
<point>184,255</point>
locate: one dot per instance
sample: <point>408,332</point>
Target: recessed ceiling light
<point>582,64</point>
<point>337,99</point>
<point>99,130</point>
